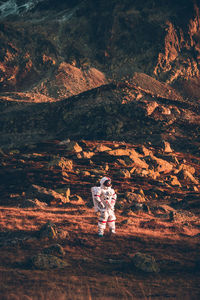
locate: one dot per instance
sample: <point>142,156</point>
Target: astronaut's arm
<point>113,199</point>
<point>98,200</point>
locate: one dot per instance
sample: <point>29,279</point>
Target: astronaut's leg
<point>111,222</point>
<point>102,222</point>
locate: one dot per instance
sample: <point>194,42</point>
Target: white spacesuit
<point>104,198</point>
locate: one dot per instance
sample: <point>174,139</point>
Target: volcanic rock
<point>145,263</point>
<point>47,261</point>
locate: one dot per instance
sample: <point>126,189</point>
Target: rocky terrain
<point>88,89</point>
<point>49,228</point>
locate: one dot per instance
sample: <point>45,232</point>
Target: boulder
<point>51,232</point>
<point>187,176</point>
<point>138,206</point>
<point>32,203</point>
<point>145,263</point>
<point>78,199</point>
<point>102,148</point>
<point>133,197</point>
<point>65,164</point>
<point>46,261</point>
<point>56,250</point>
<point>145,173</point>
<point>132,154</point>
<point>62,162</point>
<point>150,107</point>
<point>44,194</point>
<point>87,155</point>
<point>173,180</point>
<point>48,231</point>
<point>167,147</point>
<point>188,168</point>
<point>159,165</point>
<point>73,147</point>
<point>123,173</point>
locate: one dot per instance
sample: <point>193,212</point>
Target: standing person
<point>104,198</point>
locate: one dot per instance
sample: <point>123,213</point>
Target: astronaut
<point>104,198</point>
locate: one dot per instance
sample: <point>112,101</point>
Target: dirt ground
<point>100,268</point>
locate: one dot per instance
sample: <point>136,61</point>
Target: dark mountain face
<point>139,60</point>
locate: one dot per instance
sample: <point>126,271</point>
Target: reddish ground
<point>99,268</point>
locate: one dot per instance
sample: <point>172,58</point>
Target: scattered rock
<point>74,147</point>
<point>150,107</point>
<point>173,180</point>
<point>56,250</point>
<point>44,194</point>
<point>87,155</point>
<point>50,231</point>
<point>167,147</point>
<point>165,208</point>
<point>145,263</point>
<point>181,216</point>
<point>125,161</point>
<point>65,164</point>
<point>33,203</point>
<point>62,162</point>
<point>46,261</point>
<point>133,197</point>
<point>140,207</point>
<point>123,173</point>
<point>159,165</point>
<point>102,148</point>
<point>187,177</point>
<point>188,168</point>
<point>85,173</point>
<point>78,199</point>
<point>133,155</point>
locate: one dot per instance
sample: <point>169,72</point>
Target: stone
<point>85,173</point>
<point>65,164</point>
<point>73,147</point>
<point>132,154</point>
<point>48,231</point>
<point>173,180</point>
<point>123,173</point>
<point>146,151</point>
<point>167,147</point>
<point>133,197</point>
<point>44,194</point>
<point>166,208</point>
<point>159,165</point>
<point>87,155</point>
<point>145,263</point>
<point>33,203</point>
<point>188,168</point>
<point>56,250</point>
<point>139,206</point>
<point>62,162</point>
<point>46,261</point>
<point>125,161</point>
<point>77,199</point>
<point>102,148</point>
<point>64,142</point>
<point>150,107</point>
<point>187,176</point>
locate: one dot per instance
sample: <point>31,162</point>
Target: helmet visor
<point>107,183</point>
